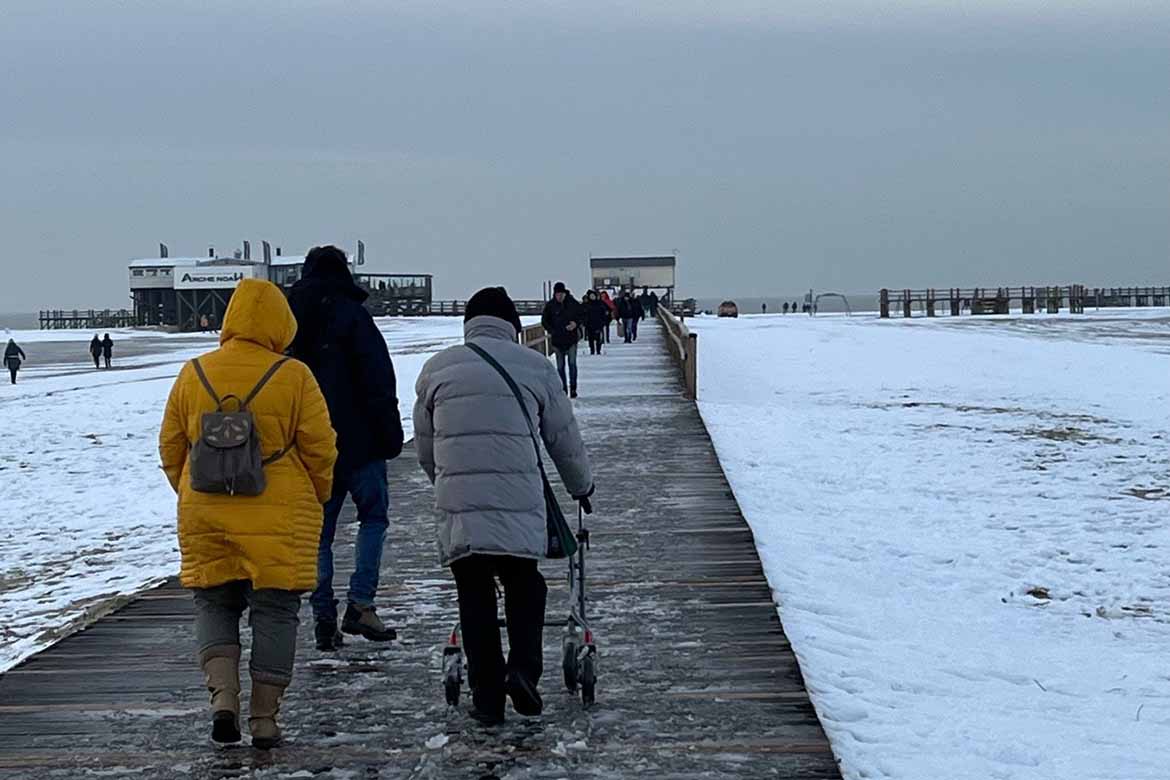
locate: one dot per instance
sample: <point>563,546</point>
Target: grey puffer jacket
<point>473,442</point>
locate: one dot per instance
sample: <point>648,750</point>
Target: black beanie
<point>493,302</point>
<point>326,262</point>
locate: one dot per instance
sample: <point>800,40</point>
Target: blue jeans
<point>367,485</point>
<point>569,354</point>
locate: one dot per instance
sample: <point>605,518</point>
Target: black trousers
<point>595,341</point>
<point>524,599</point>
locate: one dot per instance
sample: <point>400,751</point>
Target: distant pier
<point>1030,300</point>
<point>86,319</point>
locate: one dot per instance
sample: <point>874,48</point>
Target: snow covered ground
<point>87,515</point>
<point>966,524</point>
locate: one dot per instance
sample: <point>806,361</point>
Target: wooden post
<point>930,302</point>
<point>956,302</point>
<point>906,303</point>
<point>692,366</point>
<point>884,305</point>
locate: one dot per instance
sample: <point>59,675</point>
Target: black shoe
<point>225,728</point>
<point>573,393</point>
<point>328,637</point>
<point>484,718</point>
<point>364,621</point>
<point>525,698</point>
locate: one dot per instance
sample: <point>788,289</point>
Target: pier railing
<point>684,348</point>
<point>86,319</point>
<point>535,337</point>
<point>1030,300</point>
<point>459,308</point>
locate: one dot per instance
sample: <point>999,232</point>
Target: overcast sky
<point>775,145</point>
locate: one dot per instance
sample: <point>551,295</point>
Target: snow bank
<point>88,515</point>
<point>965,524</point>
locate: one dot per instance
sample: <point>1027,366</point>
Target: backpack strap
<point>276,456</point>
<point>206,384</point>
<point>263,381</point>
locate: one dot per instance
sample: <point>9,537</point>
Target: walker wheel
<point>451,689</point>
<point>588,681</point>
<point>569,665</point>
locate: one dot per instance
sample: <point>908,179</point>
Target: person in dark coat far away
<point>630,312</point>
<point>611,304</point>
<point>644,299</point>
<point>339,341</point>
<point>108,349</point>
<point>596,319</point>
<point>476,446</point>
<point>13,357</point>
<point>564,321</point>
<point>95,351</point>
<point>653,311</point>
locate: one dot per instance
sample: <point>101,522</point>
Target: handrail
<point>535,337</point>
<point>684,347</point>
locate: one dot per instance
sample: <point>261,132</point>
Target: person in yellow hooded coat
<point>251,552</point>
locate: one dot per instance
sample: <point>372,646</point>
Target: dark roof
<point>626,262</point>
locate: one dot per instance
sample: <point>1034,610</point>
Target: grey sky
<point>775,145</point>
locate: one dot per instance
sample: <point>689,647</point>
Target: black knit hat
<point>326,262</point>
<point>493,302</point>
<point>560,287</point>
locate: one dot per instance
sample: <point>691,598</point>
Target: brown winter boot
<point>262,715</point>
<point>221,669</point>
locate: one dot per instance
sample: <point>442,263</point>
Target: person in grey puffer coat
<point>474,444</point>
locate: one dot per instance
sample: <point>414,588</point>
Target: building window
<point>137,272</point>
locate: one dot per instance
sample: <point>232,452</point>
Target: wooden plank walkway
<point>696,678</point>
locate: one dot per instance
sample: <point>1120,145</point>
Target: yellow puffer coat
<point>270,539</point>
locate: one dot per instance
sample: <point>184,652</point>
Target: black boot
<point>525,698</point>
<point>328,637</point>
<point>487,708</point>
<point>573,393</point>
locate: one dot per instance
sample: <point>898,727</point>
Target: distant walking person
<point>108,349</point>
<point>630,311</point>
<point>596,318</point>
<point>339,341</point>
<point>785,307</point>
<point>476,444</point>
<point>764,308</point>
<point>611,304</point>
<point>95,351</point>
<point>13,357</point>
<point>653,310</point>
<point>249,548</point>
<point>563,319</point>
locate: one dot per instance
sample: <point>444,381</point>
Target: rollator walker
<point>578,648</point>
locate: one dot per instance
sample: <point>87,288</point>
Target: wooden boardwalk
<point>696,678</point>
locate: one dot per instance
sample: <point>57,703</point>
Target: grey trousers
<point>272,614</point>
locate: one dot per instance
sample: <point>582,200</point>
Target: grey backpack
<point>226,457</point>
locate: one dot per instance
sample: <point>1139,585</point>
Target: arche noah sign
<point>212,277</point>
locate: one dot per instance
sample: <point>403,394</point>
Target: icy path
<point>967,526</point>
<point>87,515</point>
